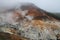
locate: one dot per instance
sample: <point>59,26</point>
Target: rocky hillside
<point>30,22</point>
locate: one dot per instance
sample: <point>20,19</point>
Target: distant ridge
<point>30,6</point>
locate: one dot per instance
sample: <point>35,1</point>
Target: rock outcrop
<point>7,36</point>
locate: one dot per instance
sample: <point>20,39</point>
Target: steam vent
<point>28,22</point>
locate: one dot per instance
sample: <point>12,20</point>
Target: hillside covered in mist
<point>29,22</point>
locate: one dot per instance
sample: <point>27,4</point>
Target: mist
<point>48,5</point>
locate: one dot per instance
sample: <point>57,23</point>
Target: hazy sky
<point>48,5</point>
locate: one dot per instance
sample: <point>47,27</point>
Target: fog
<point>48,5</point>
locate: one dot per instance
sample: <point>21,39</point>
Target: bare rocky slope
<point>29,22</point>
